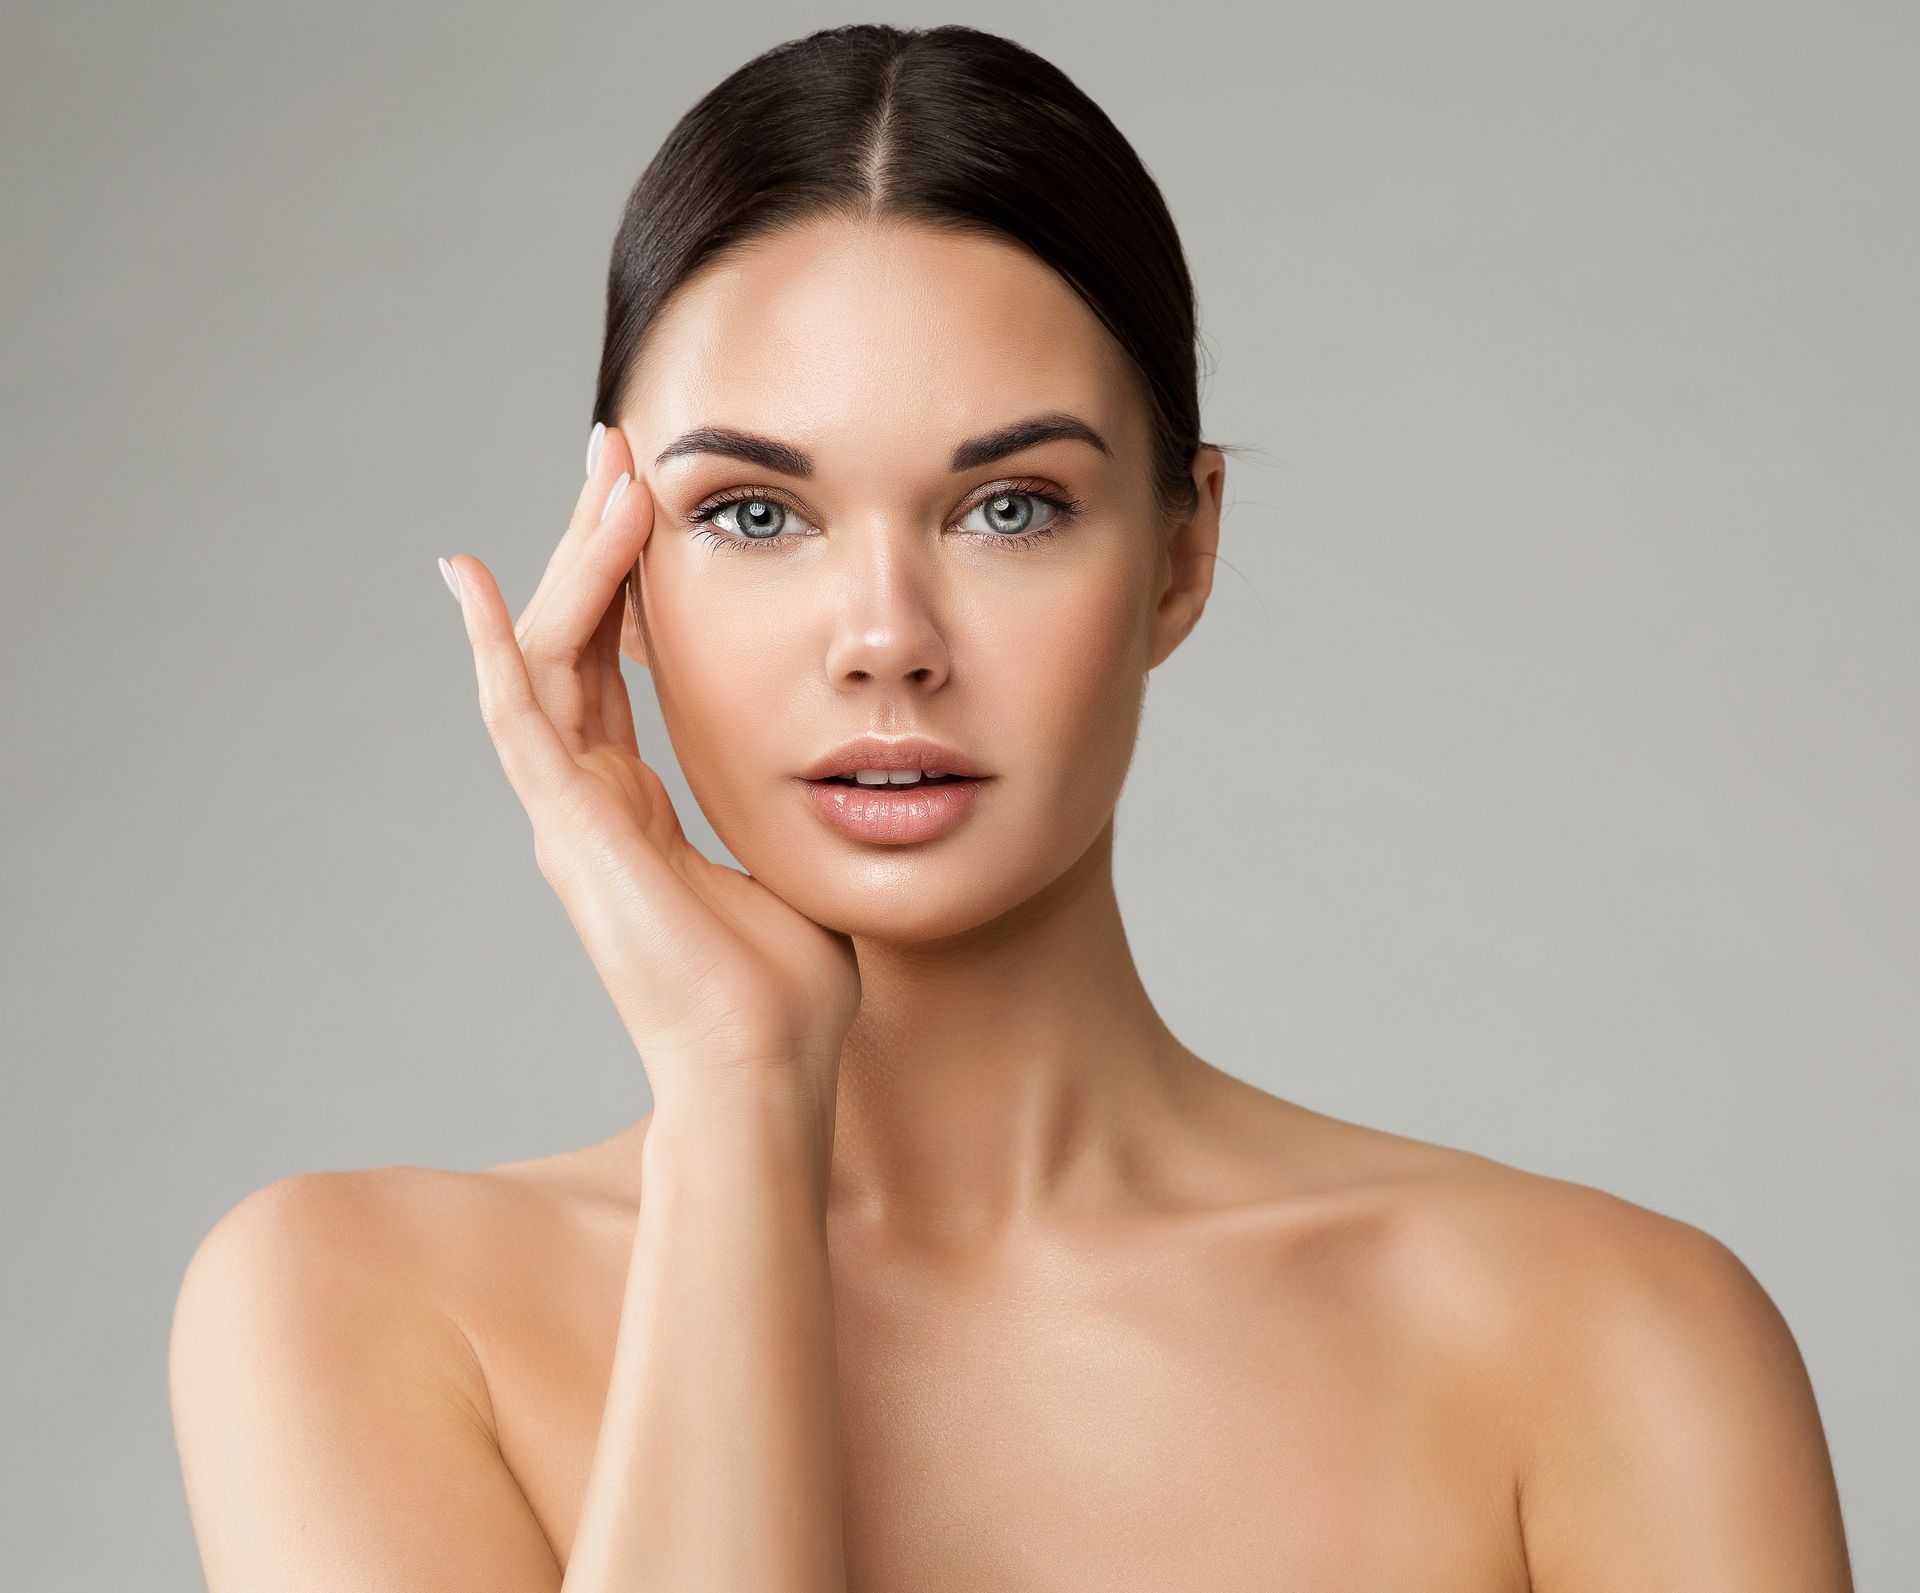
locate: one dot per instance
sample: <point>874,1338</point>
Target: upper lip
<point>877,752</point>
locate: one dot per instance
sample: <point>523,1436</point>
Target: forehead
<point>854,335</point>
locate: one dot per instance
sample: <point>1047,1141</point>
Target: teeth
<point>897,776</point>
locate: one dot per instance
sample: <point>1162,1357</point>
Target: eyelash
<point>1065,512</point>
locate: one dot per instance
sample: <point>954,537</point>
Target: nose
<point>885,629</point>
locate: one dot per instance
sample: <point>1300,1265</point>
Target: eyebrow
<point>771,454</point>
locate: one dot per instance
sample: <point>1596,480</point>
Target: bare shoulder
<point>1550,1274</point>
<point>1574,1285</point>
<point>416,1244</point>
<point>386,1221</point>
<point>1663,1424</point>
<point>1672,1430</point>
<point>1515,1247</point>
<point>331,1415</point>
<point>364,1251</point>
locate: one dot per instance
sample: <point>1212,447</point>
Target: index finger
<point>608,455</point>
<point>536,760</point>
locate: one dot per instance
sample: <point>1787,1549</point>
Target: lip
<point>904,752</point>
<point>895,816</point>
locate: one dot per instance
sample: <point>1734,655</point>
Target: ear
<point>1187,562</point>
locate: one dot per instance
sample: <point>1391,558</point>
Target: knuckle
<point>579,805</point>
<point>504,715</point>
<point>542,651</point>
<point>494,714</point>
<point>544,858</point>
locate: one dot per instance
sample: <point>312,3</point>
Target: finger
<point>633,640</point>
<point>538,765</point>
<point>572,647</point>
<point>598,670</point>
<point>609,645</point>
<point>612,457</point>
<point>617,707</point>
<point>610,699</point>
<point>573,708</point>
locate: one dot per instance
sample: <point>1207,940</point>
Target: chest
<point>1153,1426</point>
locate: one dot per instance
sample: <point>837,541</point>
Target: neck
<point>1014,1069</point>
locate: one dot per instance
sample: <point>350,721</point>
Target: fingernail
<point>453,582</point>
<point>613,497</point>
<point>597,437</point>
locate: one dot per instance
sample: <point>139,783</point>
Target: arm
<point>1680,1445</point>
<point>335,1430</point>
<point>718,1462</point>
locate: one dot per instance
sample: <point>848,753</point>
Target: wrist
<point>729,1108</point>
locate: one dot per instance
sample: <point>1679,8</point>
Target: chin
<point>896,895</point>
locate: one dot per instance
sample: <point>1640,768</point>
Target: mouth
<point>895,811</point>
<point>888,780</point>
<point>876,761</point>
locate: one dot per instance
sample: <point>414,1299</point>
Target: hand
<point>713,975</point>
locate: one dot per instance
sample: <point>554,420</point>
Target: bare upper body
<point>1336,1358</point>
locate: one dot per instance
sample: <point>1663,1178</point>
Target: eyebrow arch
<point>771,454</point>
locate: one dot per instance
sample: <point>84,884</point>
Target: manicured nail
<point>613,497</point>
<point>453,582</point>
<point>598,436</point>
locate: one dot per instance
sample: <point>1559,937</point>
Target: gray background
<point>1541,781</point>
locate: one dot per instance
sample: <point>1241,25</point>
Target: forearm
<point>718,1461</point>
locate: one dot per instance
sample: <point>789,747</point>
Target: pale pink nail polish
<point>613,497</point>
<point>453,582</point>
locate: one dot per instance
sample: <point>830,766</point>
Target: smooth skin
<point>954,1269</point>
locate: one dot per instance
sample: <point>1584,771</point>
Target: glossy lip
<point>905,752</point>
<point>894,815</point>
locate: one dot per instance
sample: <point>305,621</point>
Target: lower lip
<point>894,815</point>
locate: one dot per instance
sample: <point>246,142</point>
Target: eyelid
<point>731,495</point>
<point>779,495</point>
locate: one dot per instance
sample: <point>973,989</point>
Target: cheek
<point>1069,677</point>
<point>721,651</point>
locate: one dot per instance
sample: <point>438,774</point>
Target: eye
<point>746,517</point>
<point>1021,516</point>
<point>1014,517</point>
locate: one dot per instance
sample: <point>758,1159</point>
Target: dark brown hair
<point>949,127</point>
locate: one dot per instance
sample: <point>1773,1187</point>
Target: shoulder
<point>1584,1285</point>
<point>422,1233</point>
<point>1565,1284</point>
<point>343,1290</point>
<point>1663,1425</point>
<point>1545,1269</point>
<point>331,1415</point>
<point>402,1262</point>
<point>1558,1275</point>
<point>378,1223</point>
<point>333,1272</point>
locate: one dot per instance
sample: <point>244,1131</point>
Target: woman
<point>939,1262</point>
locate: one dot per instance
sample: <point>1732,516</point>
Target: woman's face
<point>883,591</point>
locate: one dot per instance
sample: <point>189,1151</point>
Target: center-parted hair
<point>949,127</point>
